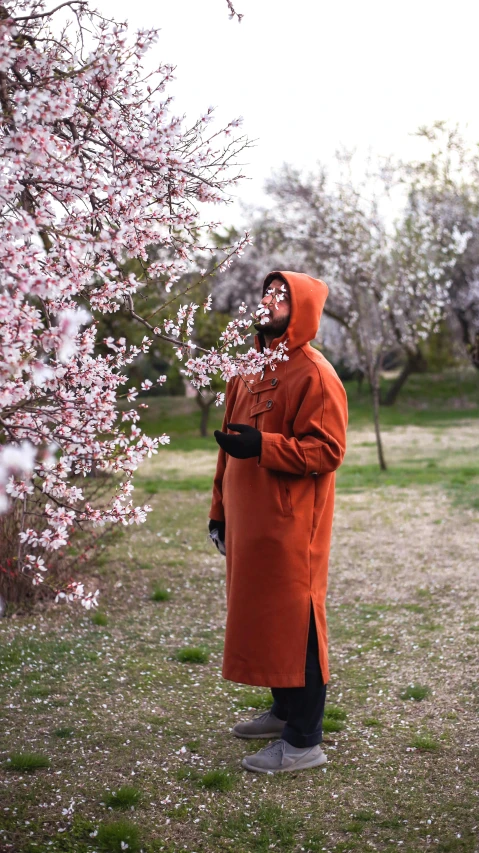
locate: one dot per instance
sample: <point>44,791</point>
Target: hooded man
<point>283,437</point>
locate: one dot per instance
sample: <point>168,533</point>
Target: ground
<point>106,703</point>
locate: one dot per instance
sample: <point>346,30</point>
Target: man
<point>283,437</point>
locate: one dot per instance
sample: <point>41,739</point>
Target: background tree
<point>388,286</point>
<point>445,184</point>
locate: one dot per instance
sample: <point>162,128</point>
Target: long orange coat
<point>278,508</point>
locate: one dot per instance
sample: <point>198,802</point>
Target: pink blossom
<point>95,170</point>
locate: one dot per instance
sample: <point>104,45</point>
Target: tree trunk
<point>205,415</point>
<point>377,430</point>
<point>415,363</point>
<point>475,351</point>
<point>204,403</point>
<point>470,338</point>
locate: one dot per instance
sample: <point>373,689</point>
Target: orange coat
<point>278,508</point>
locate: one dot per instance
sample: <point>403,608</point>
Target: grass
<point>418,692</point>
<point>332,725</point>
<point>425,743</point>
<point>63,732</point>
<point>141,704</point>
<point>263,827</point>
<point>217,780</point>
<point>260,701</point>
<point>99,618</point>
<point>118,837</point>
<point>160,594</point>
<point>461,481</point>
<point>333,720</point>
<point>192,654</point>
<point>125,797</point>
<point>332,712</point>
<point>26,762</point>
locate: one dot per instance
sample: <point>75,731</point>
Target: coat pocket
<point>285,496</point>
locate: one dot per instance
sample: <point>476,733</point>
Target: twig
<point>47,14</point>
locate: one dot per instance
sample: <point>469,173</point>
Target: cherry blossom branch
<point>52,11</point>
<point>95,171</point>
<point>233,13</point>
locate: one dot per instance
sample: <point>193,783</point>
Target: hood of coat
<point>307,296</point>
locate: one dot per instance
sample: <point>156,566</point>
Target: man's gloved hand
<point>242,446</point>
<point>220,526</point>
<point>217,534</point>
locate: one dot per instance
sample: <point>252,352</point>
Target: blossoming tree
<point>389,285</point>
<point>95,170</point>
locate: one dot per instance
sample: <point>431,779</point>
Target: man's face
<point>277,303</point>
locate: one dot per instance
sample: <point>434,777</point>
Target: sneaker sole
<point>254,737</point>
<point>300,765</point>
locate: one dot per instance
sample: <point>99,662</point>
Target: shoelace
<point>276,748</point>
<point>261,716</point>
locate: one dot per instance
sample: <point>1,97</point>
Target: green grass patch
<point>217,780</point>
<point>372,722</point>
<point>192,654</point>
<point>39,691</point>
<point>160,593</point>
<point>332,712</point>
<point>200,483</point>
<point>260,701</point>
<point>112,837</point>
<point>363,815</point>
<point>27,762</point>
<point>125,797</point>
<point>426,743</point>
<point>461,481</point>
<point>354,826</point>
<point>63,732</point>
<point>99,618</point>
<point>265,827</point>
<point>330,726</point>
<point>189,773</point>
<point>418,692</point>
<point>333,720</point>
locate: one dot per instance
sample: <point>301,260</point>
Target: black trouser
<point>303,707</point>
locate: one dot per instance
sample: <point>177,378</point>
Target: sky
<point>309,77</point>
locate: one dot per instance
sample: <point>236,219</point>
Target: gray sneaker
<point>279,757</point>
<point>262,725</point>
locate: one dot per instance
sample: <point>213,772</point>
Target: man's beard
<point>273,327</point>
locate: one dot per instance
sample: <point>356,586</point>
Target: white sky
<point>309,76</point>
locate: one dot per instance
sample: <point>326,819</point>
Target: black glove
<point>242,446</point>
<point>220,526</point>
